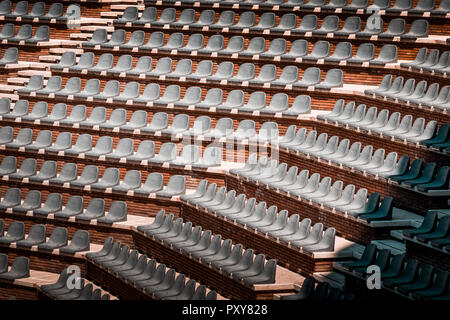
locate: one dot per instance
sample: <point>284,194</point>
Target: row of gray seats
<point>397,7</point>
<point>430,61</point>
<point>37,237</point>
<point>54,205</point>
<point>189,156</point>
<point>144,273</point>
<point>341,152</point>
<point>138,121</point>
<point>203,245</point>
<point>38,11</point>
<point>10,56</point>
<point>152,94</point>
<point>410,92</point>
<point>89,178</point>
<point>370,119</point>
<point>25,34</point>
<point>267,23</point>
<point>61,291</point>
<point>247,212</point>
<point>311,188</point>
<point>20,267</point>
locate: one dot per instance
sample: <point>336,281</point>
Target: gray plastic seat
<point>111,90</point>
<point>63,142</point>
<point>201,126</point>
<point>16,232</point>
<point>215,44</point>
<point>86,61</point>
<point>334,78</point>
<point>213,98</point>
<point>47,171</point>
<point>54,84</point>
<point>224,71</point>
<point>124,148</point>
<point>151,93</point>
<point>206,18</point>
<point>25,33</point>
<point>73,86</point>
<point>246,20</point>
<point>204,70</point>
<point>36,82</point>
<point>143,65</point>
<point>149,15</point>
<point>155,41</point>
<point>330,24</point>
<point>256,46</point>
<point>52,204</point>
<point>400,5</point>
<point>278,103</point>
<point>175,41</point>
<point>24,137</point>
<point>388,54</point>
<point>82,145</point>
<point>37,11</point>
<point>117,213</point>
<point>20,269</point>
<point>235,99</point>
<point>235,45</point>
<point>130,92</point>
<point>301,105</point>
<point>183,68</point>
<point>118,38</point>
<point>73,207</point>
<point>20,9</point>
<point>153,183</point>
<point>289,75</point>
<point>159,122</point>
<point>355,5</point>
<point>94,210</point>
<point>226,19</point>
<point>288,21</point>
<point>59,112</point>
<point>192,96</point>
<point>99,36</point>
<point>41,34</point>
<point>88,177</point>
<point>418,29</point>
<point>320,50</point>
<point>311,77</point>
<point>132,180</point>
<point>11,198</point>
<point>91,88</point>
<point>36,236</point>
<point>444,7</point>
<point>189,155</point>
<point>352,25</point>
<point>54,12</point>
<point>267,20</point>
<point>194,43</point>
<point>172,93</point>
<point>103,146</point>
<point>10,56</point>
<point>117,118</point>
<point>130,14</point>
<point>311,4</point>
<point>124,64</point>
<point>77,115</point>
<point>57,239</point>
<point>111,177</point>
<point>175,186</point>
<point>8,165</point>
<point>245,130</point>
<point>97,116</point>
<point>180,124</point>
<point>396,27</point>
<point>167,16</point>
<point>80,242</point>
<point>365,53</point>
<point>5,106</point>
<point>7,31</point>
<point>145,151</point>
<point>21,107</point>
<point>307,24</point>
<point>6,135</point>
<point>167,152</point>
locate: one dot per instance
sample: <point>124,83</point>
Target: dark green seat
<point>384,212</point>
<point>426,176</point>
<point>428,225</point>
<point>412,173</point>
<point>439,182</point>
<point>441,137</point>
<point>442,231</point>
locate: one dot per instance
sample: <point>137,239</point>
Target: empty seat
<point>175,186</point>
<point>10,56</point>
<point>99,37</point>
<point>52,204</point>
<point>418,29</point>
<point>118,38</point>
<point>80,242</point>
<point>352,25</point>
<point>20,269</point>
<point>57,239</point>
<point>36,236</point>
<point>94,210</point>
<point>132,180</point>
<point>88,176</point>
<point>396,28</point>
<point>73,207</point>
<point>153,183</point>
<point>16,232</point>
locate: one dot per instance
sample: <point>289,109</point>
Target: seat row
<point>61,291</point>
<point>267,23</point>
<point>147,274</point>
<point>424,177</point>
<point>407,277</point>
<point>214,97</point>
<point>38,11</point>
<point>430,61</point>
<point>90,178</point>
<point>341,152</point>
<point>37,237</point>
<point>354,5</point>
<point>10,56</point>
<point>434,231</point>
<point>138,121</point>
<point>203,245</point>
<point>190,154</point>
<point>278,225</point>
<point>54,205</point>
<point>25,34</point>
<point>311,188</point>
<point>322,292</point>
<point>392,126</point>
<point>411,93</point>
<point>20,268</point>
